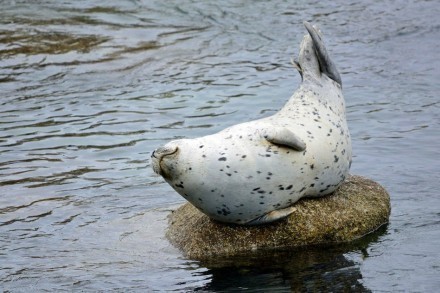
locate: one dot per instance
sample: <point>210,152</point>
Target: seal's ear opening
<point>325,63</point>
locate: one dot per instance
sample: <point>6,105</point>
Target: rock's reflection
<point>315,269</point>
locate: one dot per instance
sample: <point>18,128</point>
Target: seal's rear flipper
<point>284,137</point>
<point>272,216</point>
<point>325,63</point>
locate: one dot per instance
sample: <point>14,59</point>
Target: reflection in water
<point>313,269</point>
<point>88,89</point>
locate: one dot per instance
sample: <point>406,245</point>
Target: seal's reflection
<point>316,269</point>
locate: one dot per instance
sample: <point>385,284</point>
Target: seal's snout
<point>158,156</point>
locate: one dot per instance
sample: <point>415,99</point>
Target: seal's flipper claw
<point>297,66</point>
<point>285,137</point>
<point>326,64</point>
<point>272,216</point>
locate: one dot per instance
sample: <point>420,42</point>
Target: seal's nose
<point>153,154</point>
<point>163,151</point>
<point>158,155</point>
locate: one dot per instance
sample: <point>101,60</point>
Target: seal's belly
<point>241,176</point>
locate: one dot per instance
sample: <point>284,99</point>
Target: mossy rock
<point>359,206</point>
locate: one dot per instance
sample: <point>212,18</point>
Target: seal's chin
<point>166,153</point>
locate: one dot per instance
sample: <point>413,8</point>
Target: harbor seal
<point>252,173</point>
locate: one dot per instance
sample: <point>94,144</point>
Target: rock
<point>358,207</point>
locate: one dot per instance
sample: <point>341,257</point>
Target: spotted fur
<point>252,173</point>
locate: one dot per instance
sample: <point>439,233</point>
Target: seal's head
<point>173,161</point>
<point>164,159</point>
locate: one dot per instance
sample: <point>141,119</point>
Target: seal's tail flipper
<point>325,63</point>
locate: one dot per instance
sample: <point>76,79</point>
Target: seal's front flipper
<point>325,63</point>
<point>285,137</point>
<point>272,216</point>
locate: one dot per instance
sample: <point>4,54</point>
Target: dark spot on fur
<point>289,187</point>
<point>336,158</point>
<point>312,166</point>
<point>201,146</point>
<point>222,159</point>
<point>255,189</point>
<point>312,185</point>
<point>302,189</point>
<point>244,156</point>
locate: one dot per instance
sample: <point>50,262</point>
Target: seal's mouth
<point>157,158</point>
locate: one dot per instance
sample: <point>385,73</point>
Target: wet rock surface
<point>360,206</point>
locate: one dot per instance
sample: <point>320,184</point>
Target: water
<point>88,90</point>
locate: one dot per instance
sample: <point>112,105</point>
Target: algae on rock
<point>358,207</point>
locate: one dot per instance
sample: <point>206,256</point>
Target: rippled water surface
<point>89,88</point>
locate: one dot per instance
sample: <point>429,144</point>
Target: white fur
<point>238,175</point>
